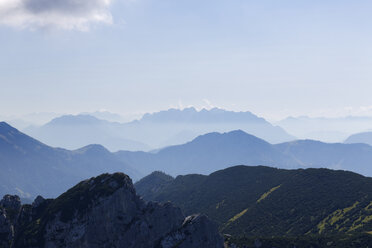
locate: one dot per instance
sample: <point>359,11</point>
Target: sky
<point>274,58</point>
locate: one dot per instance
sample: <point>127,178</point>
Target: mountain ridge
<point>261,201</point>
<point>204,155</point>
<point>29,167</point>
<point>75,219</point>
<point>152,131</point>
<point>362,137</point>
<point>208,153</point>
<point>214,151</point>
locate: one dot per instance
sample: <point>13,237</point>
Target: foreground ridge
<point>102,212</point>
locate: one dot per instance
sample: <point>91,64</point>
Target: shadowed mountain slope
<point>153,183</point>
<point>310,153</point>
<point>208,153</point>
<point>75,131</point>
<point>29,167</point>
<point>263,201</point>
<point>102,212</point>
<point>214,151</point>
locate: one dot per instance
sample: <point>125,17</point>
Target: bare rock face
<point>106,212</point>
<point>38,201</point>
<point>6,229</point>
<point>12,202</point>
<point>10,206</point>
<point>196,231</point>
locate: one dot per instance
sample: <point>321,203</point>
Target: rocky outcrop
<point>9,210</point>
<point>105,212</point>
<point>11,202</point>
<point>38,201</point>
<point>196,231</point>
<point>6,229</point>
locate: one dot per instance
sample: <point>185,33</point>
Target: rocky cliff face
<point>9,210</point>
<point>102,212</point>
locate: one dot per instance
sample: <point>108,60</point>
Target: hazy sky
<point>274,58</point>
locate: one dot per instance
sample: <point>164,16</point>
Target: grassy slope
<point>263,201</point>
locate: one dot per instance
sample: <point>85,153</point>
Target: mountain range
<point>73,132</point>
<point>152,131</point>
<point>210,152</point>
<point>29,167</point>
<point>285,205</point>
<point>325,129</point>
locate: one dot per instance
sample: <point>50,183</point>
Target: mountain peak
<point>235,135</point>
<point>204,115</point>
<point>81,119</point>
<point>77,200</point>
<point>75,219</point>
<point>89,191</point>
<point>18,140</point>
<point>93,148</point>
<point>152,183</point>
<point>6,128</point>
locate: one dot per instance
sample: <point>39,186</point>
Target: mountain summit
<point>208,153</point>
<point>188,123</point>
<point>202,116</point>
<point>105,212</point>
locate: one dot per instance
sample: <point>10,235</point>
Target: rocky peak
<point>106,212</point>
<point>12,202</point>
<point>196,231</point>
<point>38,201</point>
<point>9,210</point>
<point>88,194</point>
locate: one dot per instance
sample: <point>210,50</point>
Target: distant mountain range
<point>152,131</point>
<point>258,201</point>
<point>29,167</point>
<point>325,129</point>
<point>73,132</point>
<point>208,153</point>
<point>25,162</point>
<point>214,151</point>
<point>316,154</point>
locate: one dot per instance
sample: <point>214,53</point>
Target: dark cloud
<point>62,14</point>
<point>64,6</point>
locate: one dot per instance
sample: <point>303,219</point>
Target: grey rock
<point>6,229</point>
<point>105,212</point>
<point>38,200</point>
<point>11,202</point>
<point>196,231</point>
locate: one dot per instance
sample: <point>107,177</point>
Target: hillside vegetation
<point>263,201</point>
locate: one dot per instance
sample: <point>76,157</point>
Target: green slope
<point>263,201</point>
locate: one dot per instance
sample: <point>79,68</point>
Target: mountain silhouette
<point>364,137</point>
<point>75,131</point>
<point>29,167</point>
<point>214,151</point>
<point>152,131</point>
<point>254,201</point>
<point>208,153</point>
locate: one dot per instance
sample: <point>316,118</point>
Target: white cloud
<point>61,14</point>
